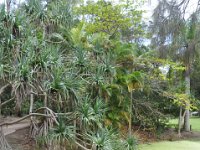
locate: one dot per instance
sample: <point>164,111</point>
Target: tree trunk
<point>18,104</point>
<point>0,107</point>
<point>3,142</point>
<point>180,122</point>
<point>46,125</point>
<point>187,92</point>
<point>7,6</point>
<point>130,119</point>
<point>31,102</point>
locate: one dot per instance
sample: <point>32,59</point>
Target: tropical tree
<point>177,39</point>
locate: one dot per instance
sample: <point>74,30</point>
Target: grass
<point>177,145</point>
<point>194,121</point>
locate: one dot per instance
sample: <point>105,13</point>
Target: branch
<point>4,103</point>
<point>68,113</point>
<point>81,146</point>
<point>78,139</point>
<point>42,108</point>
<point>183,116</point>
<point>23,118</point>
<point>177,5</point>
<point>53,115</point>
<point>3,88</point>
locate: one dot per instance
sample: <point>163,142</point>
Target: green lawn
<point>194,121</point>
<point>177,145</point>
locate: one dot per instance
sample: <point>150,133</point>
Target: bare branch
<point>23,118</point>
<point>4,103</point>
<point>3,88</point>
<point>82,146</point>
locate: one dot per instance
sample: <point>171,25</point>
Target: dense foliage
<point>86,65</point>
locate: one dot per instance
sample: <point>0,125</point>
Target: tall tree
<point>177,39</point>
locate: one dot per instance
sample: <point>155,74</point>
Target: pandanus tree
<point>45,58</point>
<point>14,58</point>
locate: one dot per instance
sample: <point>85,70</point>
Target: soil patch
<point>17,134</point>
<point>19,140</point>
<point>168,135</point>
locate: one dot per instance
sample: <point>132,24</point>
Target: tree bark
<point>18,104</point>
<point>23,118</point>
<point>7,6</point>
<point>181,120</point>
<point>130,119</point>
<point>3,142</point>
<point>31,102</point>
<point>0,107</point>
<point>187,92</point>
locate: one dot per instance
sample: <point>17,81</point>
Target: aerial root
<point>3,142</point>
